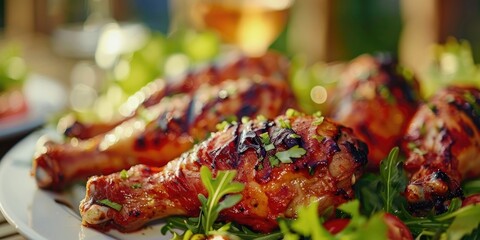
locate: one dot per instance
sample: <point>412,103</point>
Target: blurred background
<point>86,57</point>
<point>102,51</point>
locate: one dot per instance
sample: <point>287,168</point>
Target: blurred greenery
<point>367,26</point>
<point>160,57</point>
<point>134,70</point>
<point>303,78</point>
<point>452,63</point>
<point>13,70</point>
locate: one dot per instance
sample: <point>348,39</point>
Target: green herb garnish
<point>319,138</point>
<point>111,204</point>
<point>288,155</point>
<point>218,188</point>
<point>285,123</point>
<point>274,162</point>
<point>136,185</point>
<point>308,224</point>
<point>265,138</point>
<point>292,113</point>
<point>261,118</point>
<point>124,174</point>
<point>318,121</point>
<point>394,181</point>
<point>293,135</point>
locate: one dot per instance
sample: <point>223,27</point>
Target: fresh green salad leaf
<point>309,224</point>
<point>383,191</point>
<point>466,220</point>
<point>361,227</point>
<point>471,187</point>
<point>393,181</point>
<point>220,196</point>
<point>217,188</point>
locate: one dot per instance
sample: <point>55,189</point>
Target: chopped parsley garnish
<point>136,185</point>
<point>317,114</point>
<point>223,125</point>
<point>293,152</point>
<point>317,121</point>
<point>412,145</point>
<point>261,118</point>
<point>470,98</point>
<point>110,204</point>
<point>245,119</point>
<point>319,138</point>
<point>285,123</point>
<point>274,161</point>
<point>265,138</point>
<point>386,94</point>
<point>294,135</point>
<point>292,113</point>
<point>124,174</point>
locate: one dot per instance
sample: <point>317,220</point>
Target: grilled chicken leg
<point>377,101</point>
<point>328,160</point>
<point>443,147</point>
<point>162,133</point>
<point>230,68</point>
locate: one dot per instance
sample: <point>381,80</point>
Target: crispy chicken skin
<point>160,134</point>
<point>377,102</point>
<point>442,145</point>
<point>325,172</point>
<point>227,68</point>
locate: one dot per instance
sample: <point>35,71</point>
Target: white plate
<point>45,96</point>
<point>37,214</point>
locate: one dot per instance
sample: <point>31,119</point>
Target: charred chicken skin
<point>160,134</point>
<point>330,158</point>
<point>442,145</point>
<point>377,101</point>
<point>231,68</point>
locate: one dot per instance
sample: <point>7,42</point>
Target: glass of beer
<point>250,25</point>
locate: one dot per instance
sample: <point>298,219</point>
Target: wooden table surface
<point>7,231</point>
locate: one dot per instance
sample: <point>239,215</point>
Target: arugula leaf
<point>366,190</point>
<point>293,152</point>
<point>217,188</point>
<point>219,198</point>
<point>466,220</point>
<point>393,182</point>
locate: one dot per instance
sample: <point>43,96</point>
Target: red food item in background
<point>471,200</point>
<point>334,226</point>
<point>12,104</point>
<point>397,230</point>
